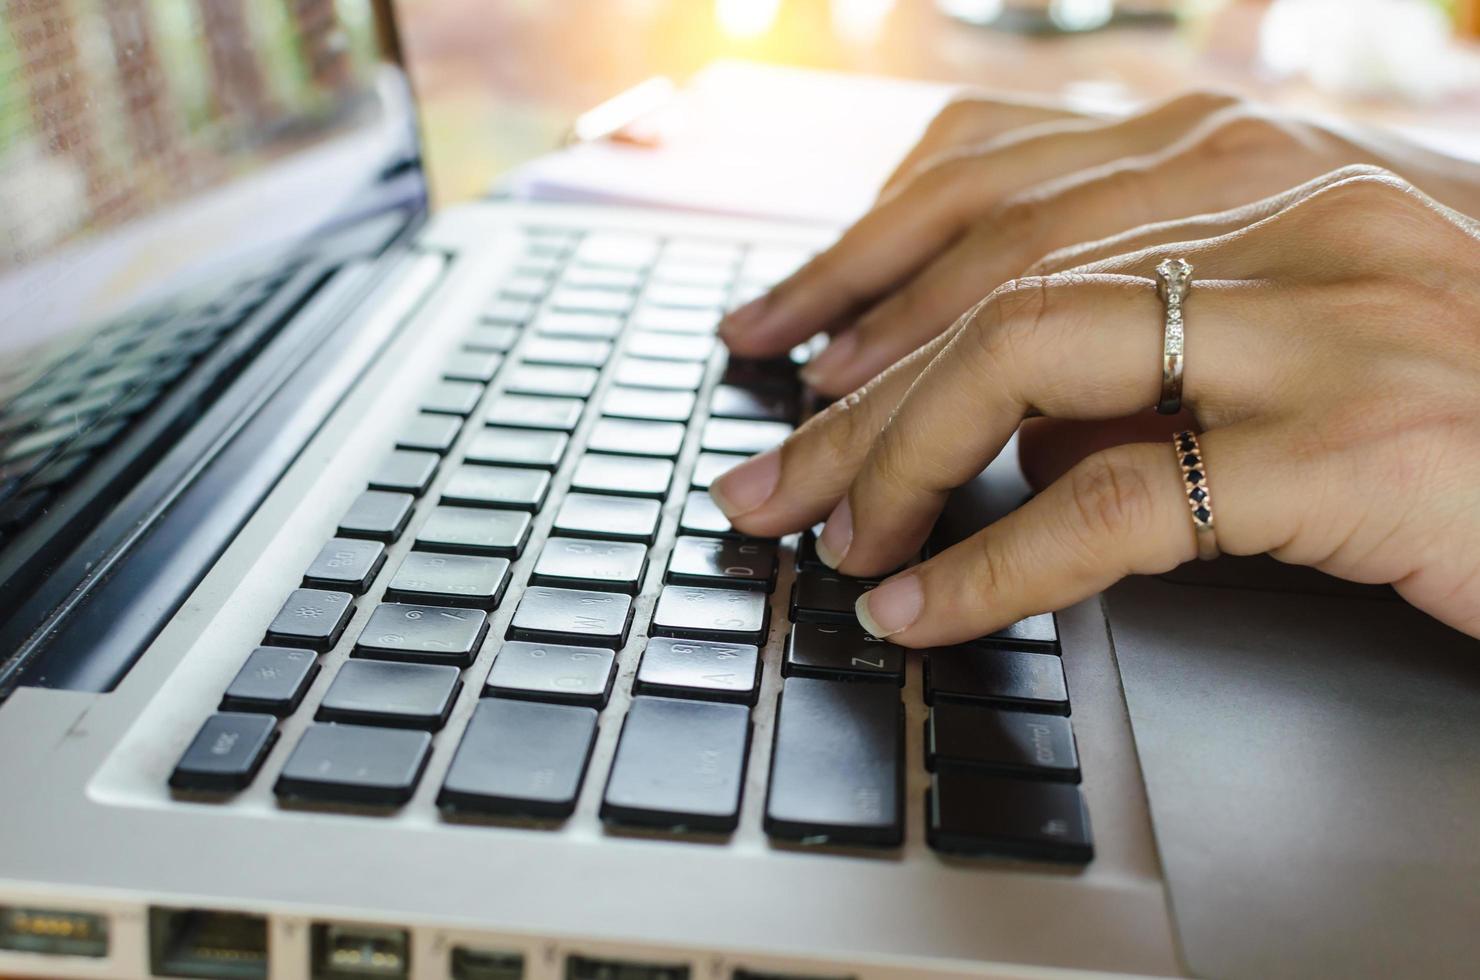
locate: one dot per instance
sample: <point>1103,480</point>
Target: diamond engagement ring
<point>1173,280</point>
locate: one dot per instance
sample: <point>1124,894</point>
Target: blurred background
<point>111,110</point>
<point>501,82</point>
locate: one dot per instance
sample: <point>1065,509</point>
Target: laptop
<point>363,613</point>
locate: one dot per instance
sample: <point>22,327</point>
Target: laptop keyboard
<point>435,567</point>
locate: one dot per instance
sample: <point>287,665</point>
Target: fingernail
<point>837,535</point>
<point>743,318</point>
<point>834,357</point>
<point>892,606</point>
<point>747,486</point>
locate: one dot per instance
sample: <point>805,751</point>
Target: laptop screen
<point>167,169</point>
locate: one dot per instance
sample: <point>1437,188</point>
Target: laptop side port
<point>213,945</point>
<point>344,952</point>
<point>55,932</point>
<point>486,964</point>
<point>590,968</point>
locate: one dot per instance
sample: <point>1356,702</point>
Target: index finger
<point>976,119</point>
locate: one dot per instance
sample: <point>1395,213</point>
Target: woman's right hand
<point>995,185</point>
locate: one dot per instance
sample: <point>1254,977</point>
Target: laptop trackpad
<point>1313,765</point>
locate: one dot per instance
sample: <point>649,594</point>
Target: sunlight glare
<point>745,19</point>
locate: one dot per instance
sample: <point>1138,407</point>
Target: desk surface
<point>500,83</point>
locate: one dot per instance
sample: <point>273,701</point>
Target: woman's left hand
<point>1333,364</point>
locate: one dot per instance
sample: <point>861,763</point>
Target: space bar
<point>838,762</point>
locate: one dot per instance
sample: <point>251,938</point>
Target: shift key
<point>838,763</point>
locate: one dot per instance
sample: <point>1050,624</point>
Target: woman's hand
<point>995,185</point>
<point>1333,364</point>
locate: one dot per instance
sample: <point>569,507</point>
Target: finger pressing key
<point>795,485</point>
<point>1065,347</point>
<point>1120,512</point>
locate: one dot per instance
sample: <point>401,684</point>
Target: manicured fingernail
<point>834,357</point>
<point>837,535</point>
<point>891,606</point>
<point>744,318</point>
<point>747,486</point>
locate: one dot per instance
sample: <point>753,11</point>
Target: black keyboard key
<point>354,764</point>
<point>747,564</point>
<point>405,471</point>
<point>603,516</point>
<point>370,692</point>
<point>844,653</point>
<point>710,465</point>
<point>311,618</point>
<point>1005,678</point>
<point>452,397</point>
<point>449,580</point>
<point>1010,743</point>
<point>746,372</point>
<point>679,764</point>
<point>470,365</point>
<point>655,316</point>
<point>568,298</point>
<point>731,615</point>
<point>566,351</point>
<point>599,277</point>
<point>474,531</point>
<point>477,485</point>
<point>518,447</point>
<point>641,372</point>
<point>547,615</point>
<point>226,753</point>
<point>272,681</point>
<point>498,338</point>
<point>424,634</point>
<point>687,297</point>
<point>345,565</point>
<point>633,476</point>
<point>526,287</point>
<point>670,346</point>
<point>637,438</point>
<point>699,669</point>
<point>742,435</point>
<point>837,769</point>
<point>1034,633</point>
<point>648,403</point>
<point>701,515</point>
<point>536,412</point>
<point>520,758</point>
<point>562,382</point>
<point>826,597</point>
<point>552,672</point>
<point>807,557</point>
<point>377,515</point>
<point>564,323</point>
<point>617,250</point>
<point>977,814</point>
<point>430,433</point>
<point>762,404</point>
<point>582,563</point>
<point>510,310</point>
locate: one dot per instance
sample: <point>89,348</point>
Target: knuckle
<point>1241,131</point>
<point>839,435</point>
<point>1362,212</point>
<point>995,569</point>
<point>1201,102</point>
<point>1112,498</point>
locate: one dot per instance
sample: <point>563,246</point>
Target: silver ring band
<point>1173,280</point>
<point>1199,497</point>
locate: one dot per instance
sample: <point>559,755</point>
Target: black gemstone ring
<point>1199,498</point>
